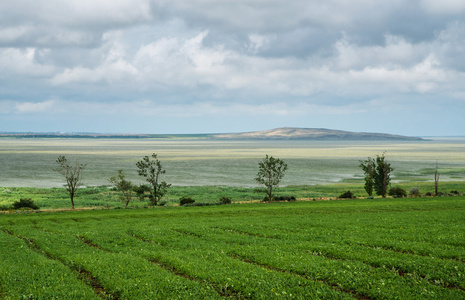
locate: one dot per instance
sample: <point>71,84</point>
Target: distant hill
<point>292,133</point>
<point>285,133</point>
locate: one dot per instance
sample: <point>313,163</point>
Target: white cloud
<point>395,52</point>
<point>115,71</point>
<point>258,42</point>
<point>76,13</point>
<point>55,23</point>
<point>112,69</point>
<point>11,34</point>
<point>35,107</point>
<point>181,62</point>
<point>24,61</point>
<point>452,7</point>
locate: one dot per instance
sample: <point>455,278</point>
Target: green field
<point>411,248</point>
<point>197,162</point>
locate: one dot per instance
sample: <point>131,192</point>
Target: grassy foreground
<point>411,248</point>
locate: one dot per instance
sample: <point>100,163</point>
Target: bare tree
<point>72,174</point>
<point>436,179</point>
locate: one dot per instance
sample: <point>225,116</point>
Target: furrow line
<point>82,274</point>
<point>399,271</point>
<point>246,233</point>
<point>89,243</point>
<point>222,291</point>
<point>334,286</point>
<point>143,239</point>
<point>187,233</point>
<point>90,280</point>
<point>408,252</point>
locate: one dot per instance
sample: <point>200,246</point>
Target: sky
<point>213,66</point>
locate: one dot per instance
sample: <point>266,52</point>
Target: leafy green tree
<point>124,186</point>
<point>72,174</point>
<point>270,172</point>
<point>368,166</point>
<point>151,169</point>
<point>382,175</point>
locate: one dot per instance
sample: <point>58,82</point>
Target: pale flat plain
<point>194,162</point>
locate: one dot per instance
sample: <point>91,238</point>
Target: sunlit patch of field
<point>30,162</point>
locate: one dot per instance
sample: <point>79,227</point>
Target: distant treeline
<point>100,136</point>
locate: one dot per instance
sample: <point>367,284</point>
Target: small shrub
<point>370,197</point>
<point>162,203</point>
<point>429,194</point>
<point>415,192</point>
<point>201,204</point>
<point>347,195</point>
<point>397,192</point>
<point>25,203</point>
<point>285,198</point>
<point>266,199</point>
<point>186,200</point>
<point>454,192</point>
<point>4,207</point>
<point>225,200</point>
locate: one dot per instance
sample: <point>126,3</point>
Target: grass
<point>364,249</point>
<point>105,197</point>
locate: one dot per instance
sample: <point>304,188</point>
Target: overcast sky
<point>202,66</point>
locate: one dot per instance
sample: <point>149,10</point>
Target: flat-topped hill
<point>292,133</point>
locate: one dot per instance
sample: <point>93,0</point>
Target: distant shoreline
<point>284,133</point>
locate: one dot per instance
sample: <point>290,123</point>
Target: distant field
<point>196,162</point>
<point>410,248</point>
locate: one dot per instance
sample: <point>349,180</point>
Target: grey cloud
<point>53,23</point>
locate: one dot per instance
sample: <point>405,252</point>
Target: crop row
<point>292,250</point>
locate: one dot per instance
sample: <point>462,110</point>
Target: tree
<point>72,174</point>
<point>368,166</point>
<point>270,172</point>
<point>382,175</point>
<point>377,175</point>
<point>151,169</point>
<point>124,186</point>
<point>436,179</point>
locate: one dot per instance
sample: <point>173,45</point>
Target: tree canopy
<point>270,172</point>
